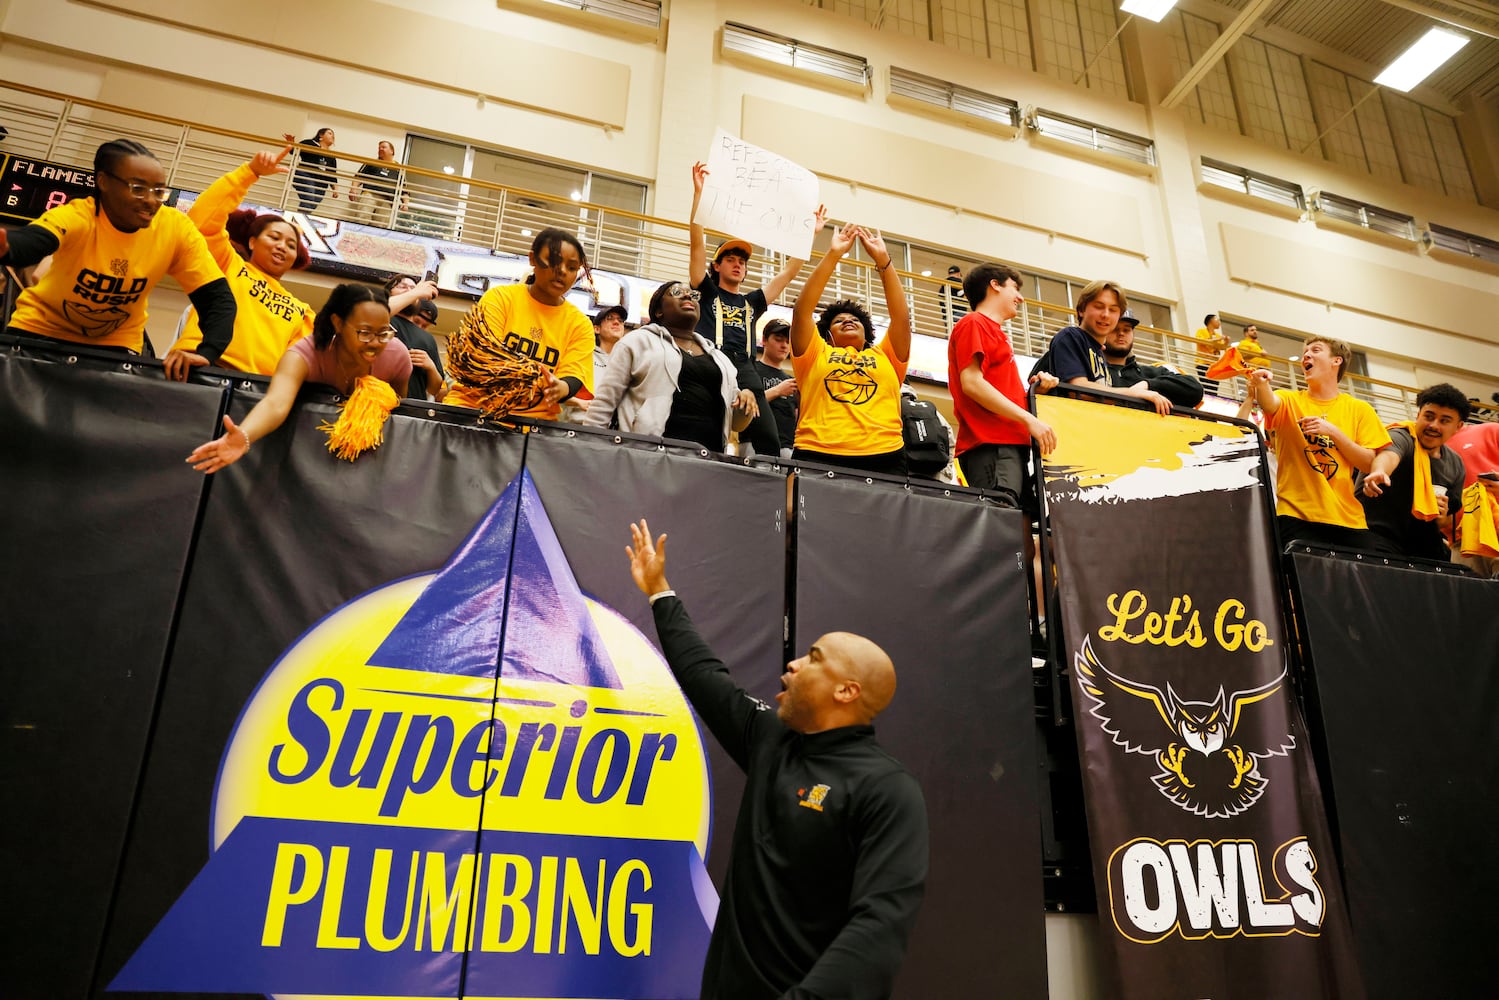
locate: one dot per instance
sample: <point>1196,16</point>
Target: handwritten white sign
<point>756,195</point>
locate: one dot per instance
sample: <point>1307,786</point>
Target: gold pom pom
<point>501,379</point>
<point>361,420</point>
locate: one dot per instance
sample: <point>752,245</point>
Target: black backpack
<point>927,445</point>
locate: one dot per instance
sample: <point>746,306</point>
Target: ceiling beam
<point>1241,24</point>
<point>1464,21</point>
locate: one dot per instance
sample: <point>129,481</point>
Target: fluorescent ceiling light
<point>1151,10</point>
<point>1421,59</point>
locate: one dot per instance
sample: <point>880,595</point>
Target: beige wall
<point>577,92</point>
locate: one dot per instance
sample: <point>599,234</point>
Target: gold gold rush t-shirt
<point>560,337</point>
<point>850,399</point>
<point>96,290</point>
<point>1313,480</point>
<point>269,319</point>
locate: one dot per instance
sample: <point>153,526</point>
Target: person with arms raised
<point>829,860</point>
<point>849,385</point>
<point>729,314</point>
<point>268,317</point>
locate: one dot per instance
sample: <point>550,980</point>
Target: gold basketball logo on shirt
<point>1319,456</point>
<point>851,385</point>
<point>94,321</point>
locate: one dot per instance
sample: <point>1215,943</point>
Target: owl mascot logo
<point>1209,756</point>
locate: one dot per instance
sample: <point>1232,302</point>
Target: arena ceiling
<point>1376,31</point>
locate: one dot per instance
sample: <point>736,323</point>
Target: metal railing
<point>50,126</point>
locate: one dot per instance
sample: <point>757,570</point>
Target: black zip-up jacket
<point>1183,390</point>
<point>829,858</point>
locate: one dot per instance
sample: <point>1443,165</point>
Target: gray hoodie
<point>642,377</point>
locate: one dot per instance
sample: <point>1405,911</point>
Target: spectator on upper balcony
<point>953,294</point>
<point>317,171</point>
<point>108,252</point>
<point>407,295</point>
<point>533,319</point>
<point>667,380</point>
<point>730,315</point>
<point>351,339</point>
<point>1076,353</point>
<point>1211,342</point>
<point>1414,488</point>
<point>1320,436</point>
<point>1127,373</point>
<point>780,388</point>
<point>995,425</point>
<point>373,190</point>
<point>849,385</point>
<point>269,319</point>
<point>1250,347</point>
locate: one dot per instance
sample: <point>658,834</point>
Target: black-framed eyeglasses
<point>138,190</point>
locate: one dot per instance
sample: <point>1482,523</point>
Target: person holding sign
<point>850,387</point>
<point>729,315</point>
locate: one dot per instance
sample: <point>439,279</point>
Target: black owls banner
<point>1216,875</point>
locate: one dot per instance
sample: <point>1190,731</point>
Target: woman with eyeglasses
<point>849,385</point>
<point>270,319</point>
<point>108,253</point>
<point>666,380</point>
<point>351,338</point>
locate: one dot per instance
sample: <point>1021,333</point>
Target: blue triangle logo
<point>508,585</point>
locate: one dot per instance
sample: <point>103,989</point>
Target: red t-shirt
<point>978,337</point>
<point>1478,446</point>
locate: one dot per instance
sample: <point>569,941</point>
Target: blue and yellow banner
<point>476,775</point>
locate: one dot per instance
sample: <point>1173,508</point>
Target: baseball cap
<point>743,246</point>
<point>1129,317</point>
<point>427,308</point>
<point>620,311</point>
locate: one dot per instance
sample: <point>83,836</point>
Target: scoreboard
<point>29,188</point>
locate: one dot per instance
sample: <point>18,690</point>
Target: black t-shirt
<point>1389,514</point>
<point>369,171</point>
<point>786,409</point>
<point>728,320</point>
<point>697,405</point>
<point>417,339</point>
<point>314,160</point>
